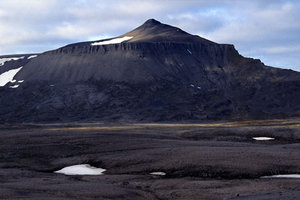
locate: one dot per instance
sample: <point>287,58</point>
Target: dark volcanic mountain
<point>154,73</point>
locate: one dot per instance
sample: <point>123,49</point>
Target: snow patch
<point>158,173</point>
<point>83,169</point>
<point>33,56</point>
<point>283,176</point>
<point>8,76</point>
<point>20,81</point>
<point>198,87</point>
<point>189,51</point>
<point>14,86</point>
<point>263,138</point>
<point>112,41</point>
<point>3,60</point>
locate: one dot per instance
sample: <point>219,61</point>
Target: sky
<point>265,29</point>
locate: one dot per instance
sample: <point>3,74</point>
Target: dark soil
<point>200,162</point>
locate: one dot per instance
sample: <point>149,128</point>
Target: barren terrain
<point>201,161</point>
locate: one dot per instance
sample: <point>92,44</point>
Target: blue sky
<point>264,29</point>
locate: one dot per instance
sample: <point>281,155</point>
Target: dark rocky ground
<point>208,161</point>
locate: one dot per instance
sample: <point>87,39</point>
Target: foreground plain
<point>201,161</point>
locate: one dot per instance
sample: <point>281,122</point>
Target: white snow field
<point>8,76</point>
<point>263,138</point>
<point>112,41</point>
<point>3,60</point>
<point>82,169</point>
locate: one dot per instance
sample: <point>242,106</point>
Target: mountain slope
<point>154,73</point>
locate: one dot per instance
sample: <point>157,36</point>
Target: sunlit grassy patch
<point>112,127</point>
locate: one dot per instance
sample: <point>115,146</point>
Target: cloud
<point>280,49</point>
<point>258,28</point>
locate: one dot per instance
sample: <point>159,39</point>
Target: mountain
<point>156,72</point>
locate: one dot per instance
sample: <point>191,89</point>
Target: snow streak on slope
<point>112,41</point>
<point>14,86</point>
<point>33,56</point>
<point>8,76</point>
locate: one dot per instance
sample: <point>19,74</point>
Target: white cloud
<point>280,49</point>
<point>256,27</point>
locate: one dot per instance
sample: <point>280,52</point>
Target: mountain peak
<point>151,22</point>
<point>155,31</point>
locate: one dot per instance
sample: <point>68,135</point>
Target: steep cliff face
<point>154,73</point>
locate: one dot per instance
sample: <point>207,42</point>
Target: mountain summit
<point>152,22</point>
<point>154,31</point>
<point>155,72</point>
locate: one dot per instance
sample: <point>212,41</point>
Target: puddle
<point>283,176</point>
<point>158,173</point>
<point>263,138</point>
<point>83,169</point>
